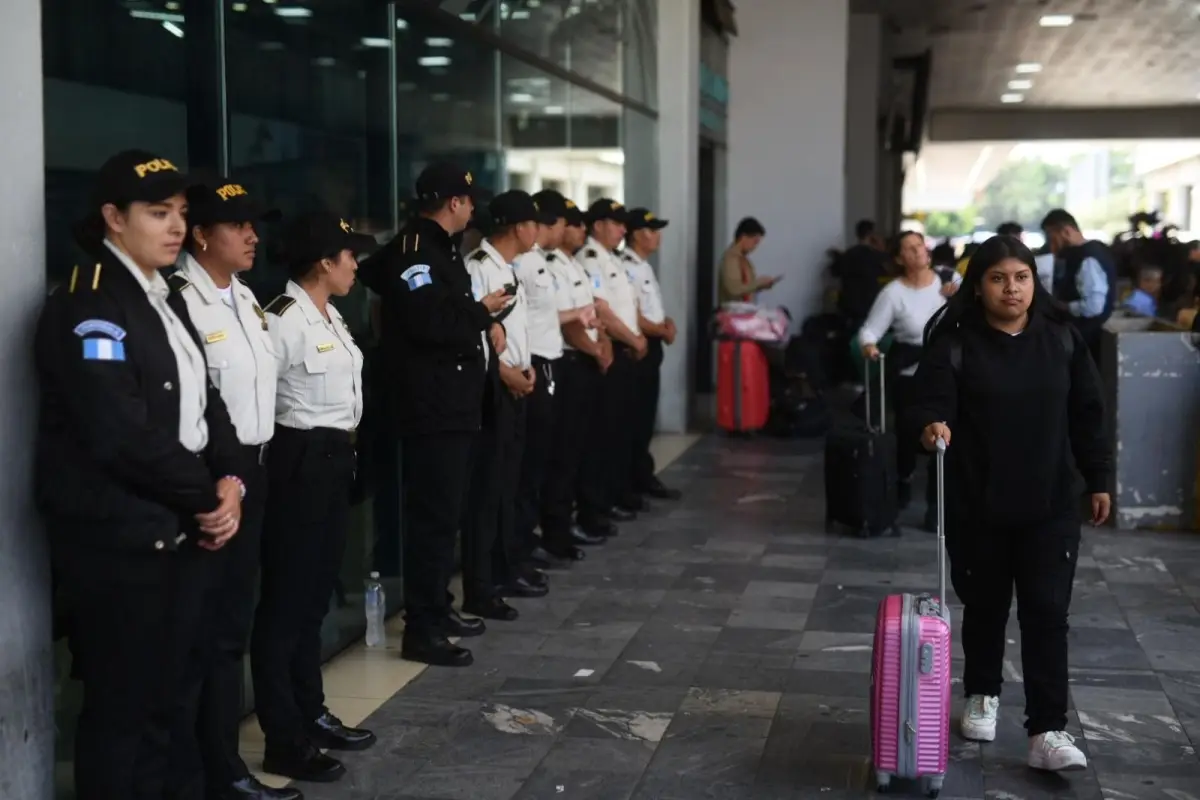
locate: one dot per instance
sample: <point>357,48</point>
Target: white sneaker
<point>979,718</point>
<point>1055,751</point>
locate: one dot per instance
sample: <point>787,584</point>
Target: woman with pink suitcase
<point>1009,386</point>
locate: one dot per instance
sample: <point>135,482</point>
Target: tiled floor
<point>720,648</point>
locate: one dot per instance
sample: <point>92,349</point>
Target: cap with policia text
<point>642,218</point>
<point>308,238</point>
<point>133,176</point>
<point>225,201</point>
<point>444,180</point>
<point>606,208</point>
<point>514,207</point>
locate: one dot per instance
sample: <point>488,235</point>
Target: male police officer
<point>433,337</point>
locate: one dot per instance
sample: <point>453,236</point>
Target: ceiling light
<point>174,5</point>
<point>433,61</point>
<point>293,12</point>
<point>173,28</point>
<point>520,97</point>
<point>1012,98</point>
<point>467,16</point>
<point>375,41</point>
<point>1056,20</point>
<point>157,16</point>
<point>554,110</point>
<point>1028,68</point>
<point>438,41</point>
<point>401,24</point>
<point>519,14</point>
<point>1020,85</point>
<point>239,6</point>
<point>269,2</point>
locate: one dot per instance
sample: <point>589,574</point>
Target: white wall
<point>862,119</point>
<point>787,137</point>
<point>26,663</point>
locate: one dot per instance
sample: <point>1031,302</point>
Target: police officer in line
<point>310,471</point>
<point>434,336</point>
<point>643,234</point>
<point>614,435</point>
<point>493,564</point>
<point>547,284</point>
<point>139,475</point>
<point>587,355</point>
<point>221,243</point>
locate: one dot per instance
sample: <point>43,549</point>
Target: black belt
<point>257,452</point>
<point>321,434</point>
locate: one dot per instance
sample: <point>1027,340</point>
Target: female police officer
<point>138,473</point>
<point>222,242</point>
<point>310,470</point>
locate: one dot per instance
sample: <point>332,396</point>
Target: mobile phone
<point>510,289</point>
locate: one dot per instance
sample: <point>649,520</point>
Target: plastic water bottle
<point>376,607</point>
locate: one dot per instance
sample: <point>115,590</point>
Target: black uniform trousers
<point>649,383</point>
<point>621,423</point>
<point>985,564</point>
<point>436,472</point>
<point>133,627</point>
<point>230,609</point>
<point>594,486</point>
<point>307,520</point>
<point>541,416</point>
<point>577,386</point>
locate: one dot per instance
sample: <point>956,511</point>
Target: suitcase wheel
<point>931,787</point>
<point>883,781</point>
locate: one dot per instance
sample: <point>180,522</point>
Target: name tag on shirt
<point>325,348</point>
<point>213,338</point>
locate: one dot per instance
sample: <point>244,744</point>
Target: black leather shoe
<point>535,576</point>
<point>633,502</point>
<point>434,649</point>
<point>618,514</point>
<point>571,552</point>
<point>523,588</point>
<point>303,762</point>
<point>492,608</point>
<point>660,492</point>
<point>456,624</point>
<point>330,733</point>
<point>251,789</point>
<point>543,558</point>
<point>582,537</point>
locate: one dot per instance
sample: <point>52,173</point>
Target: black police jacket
<point>108,463</point>
<point>432,349</point>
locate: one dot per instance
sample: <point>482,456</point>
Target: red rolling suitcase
<point>743,387</point>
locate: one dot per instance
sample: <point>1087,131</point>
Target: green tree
<point>941,224</point>
<point>1022,191</point>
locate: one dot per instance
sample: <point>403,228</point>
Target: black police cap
<point>225,201</point>
<point>443,180</point>
<point>308,238</point>
<point>607,208</point>
<point>643,218</point>
<point>133,176</point>
<point>552,203</point>
<point>514,207</point>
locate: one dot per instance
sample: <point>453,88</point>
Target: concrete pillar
<point>787,138</point>
<point>678,145</point>
<point>862,119</point>
<point>26,661</point>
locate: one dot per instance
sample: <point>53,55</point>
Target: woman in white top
<point>310,471</point>
<point>903,307</point>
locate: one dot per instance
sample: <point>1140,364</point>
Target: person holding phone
<point>1009,384</point>
<point>492,562</point>
<point>740,282</point>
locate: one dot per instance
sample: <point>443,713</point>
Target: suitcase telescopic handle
<point>941,519</point>
<point>882,395</point>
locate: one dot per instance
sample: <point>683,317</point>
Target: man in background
<point>739,282</point>
<point>861,270</point>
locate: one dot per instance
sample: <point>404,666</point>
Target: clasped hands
<point>220,524</point>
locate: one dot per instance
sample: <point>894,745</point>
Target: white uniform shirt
<point>617,290</point>
<point>541,285</point>
<point>320,366</point>
<point>241,359</point>
<point>189,361</point>
<point>645,283</point>
<point>578,290</point>
<point>491,273</point>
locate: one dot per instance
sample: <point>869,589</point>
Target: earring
<point>204,246</point>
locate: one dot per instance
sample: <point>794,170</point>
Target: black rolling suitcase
<point>860,472</point>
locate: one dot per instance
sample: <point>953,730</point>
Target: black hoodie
<point>1018,408</point>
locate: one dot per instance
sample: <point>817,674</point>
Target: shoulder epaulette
<point>479,255</point>
<point>280,304</point>
<point>177,282</point>
<point>626,257</point>
<point>79,278</point>
<point>551,256</point>
<point>590,253</point>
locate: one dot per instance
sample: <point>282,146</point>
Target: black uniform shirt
<point>109,463</point>
<point>432,328</point>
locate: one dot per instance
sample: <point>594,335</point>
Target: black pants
<point>593,488</point>
<point>647,389</point>
<point>985,564</point>
<point>489,552</point>
<point>230,609</point>
<point>133,627</point>
<point>621,422</point>
<point>436,472</point>
<point>309,477</point>
<point>541,416</point>
<point>576,387</point>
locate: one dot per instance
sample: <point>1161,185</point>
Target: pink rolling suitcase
<point>910,678</point>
